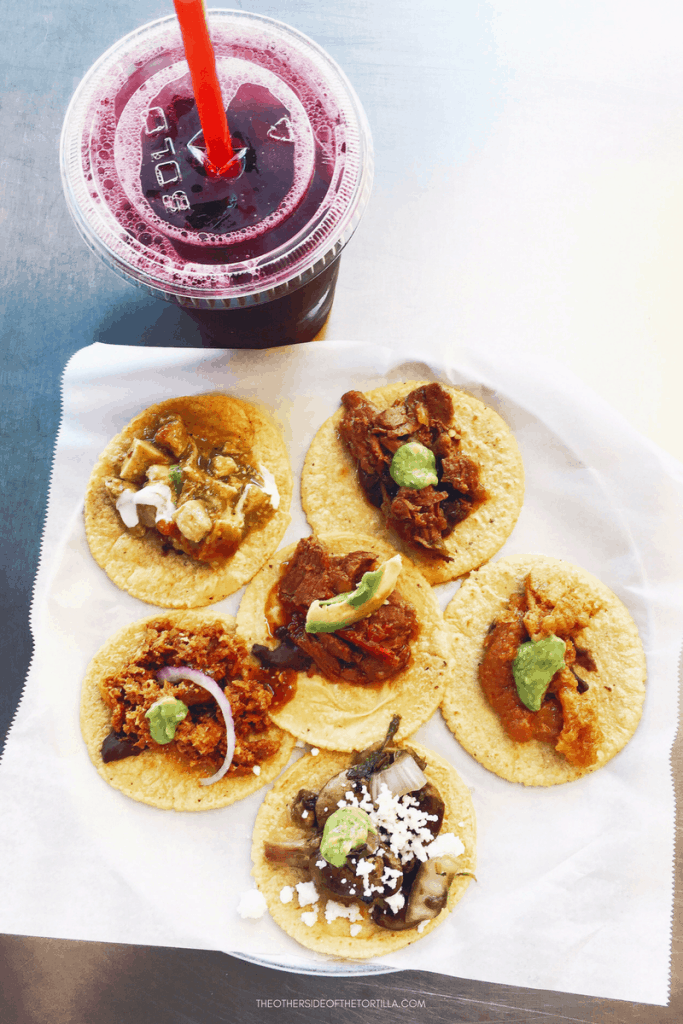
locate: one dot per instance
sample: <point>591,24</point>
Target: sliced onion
<point>403,776</point>
<point>174,675</point>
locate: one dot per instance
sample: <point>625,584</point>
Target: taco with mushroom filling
<point>423,465</point>
<point>359,855</point>
<point>174,713</point>
<point>548,673</point>
<point>362,630</point>
<point>187,502</point>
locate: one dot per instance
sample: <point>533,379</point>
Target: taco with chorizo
<point>174,713</point>
<point>187,502</point>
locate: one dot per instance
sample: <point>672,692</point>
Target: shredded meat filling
<point>370,651</point>
<point>421,518</point>
<point>216,494</point>
<point>200,738</point>
<point>569,717</point>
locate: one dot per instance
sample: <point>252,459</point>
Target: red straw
<point>207,91</point>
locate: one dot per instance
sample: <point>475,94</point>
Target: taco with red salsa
<point>548,679</point>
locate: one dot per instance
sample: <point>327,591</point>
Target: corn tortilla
<point>611,636</point>
<point>153,777</point>
<point>145,566</point>
<point>274,823</point>
<point>341,716</point>
<point>333,499</point>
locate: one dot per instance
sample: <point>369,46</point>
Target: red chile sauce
<point>368,653</point>
<point>498,684</point>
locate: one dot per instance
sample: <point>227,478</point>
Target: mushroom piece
<point>296,854</point>
<point>302,811</point>
<point>429,891</point>
<point>334,790</point>
<point>427,898</point>
<point>430,801</point>
<point>348,884</point>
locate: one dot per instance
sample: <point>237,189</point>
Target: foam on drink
<point>135,184</point>
<point>146,139</point>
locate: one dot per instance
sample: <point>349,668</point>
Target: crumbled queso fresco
<point>333,910</point>
<point>252,904</point>
<point>307,893</point>
<point>400,817</point>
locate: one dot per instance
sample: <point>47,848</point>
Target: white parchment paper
<point>574,883</point>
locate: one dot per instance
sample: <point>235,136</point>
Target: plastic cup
<point>253,259</point>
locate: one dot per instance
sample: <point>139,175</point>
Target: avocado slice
<point>345,609</point>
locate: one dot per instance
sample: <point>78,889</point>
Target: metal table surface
<point>527,194</point>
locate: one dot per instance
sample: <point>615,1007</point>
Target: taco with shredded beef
<point>359,855</point>
<point>422,465</point>
<point>549,672</point>
<point>353,673</point>
<point>174,713</point>
<point>187,502</point>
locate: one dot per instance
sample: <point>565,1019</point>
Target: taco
<point>549,672</point>
<point>187,502</point>
<point>154,706</point>
<point>353,679</point>
<point>422,465</point>
<point>359,855</point>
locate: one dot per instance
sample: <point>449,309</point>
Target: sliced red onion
<point>403,776</point>
<point>171,674</point>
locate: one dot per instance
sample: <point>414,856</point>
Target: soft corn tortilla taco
<point>340,715</point>
<point>334,500</point>
<point>223,464</point>
<point>598,694</point>
<point>367,939</point>
<point>163,775</point>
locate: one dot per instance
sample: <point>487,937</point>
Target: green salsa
<point>414,466</point>
<point>345,830</point>
<point>164,717</point>
<point>535,664</point>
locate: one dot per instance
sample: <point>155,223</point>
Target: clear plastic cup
<point>253,259</point>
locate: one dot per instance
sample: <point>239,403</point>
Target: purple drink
<point>254,257</point>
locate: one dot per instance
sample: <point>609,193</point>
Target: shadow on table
<point>150,322</point>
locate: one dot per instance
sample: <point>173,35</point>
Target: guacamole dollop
<point>535,664</point>
<point>345,830</point>
<point>414,466</point>
<point>164,716</point>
